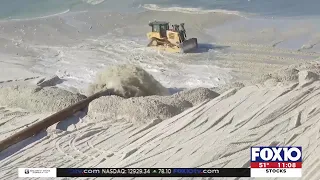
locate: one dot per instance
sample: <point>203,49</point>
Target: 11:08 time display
<point>287,165</point>
<point>277,165</point>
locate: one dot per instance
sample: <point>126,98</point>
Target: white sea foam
<point>40,17</point>
<point>155,7</point>
<point>93,2</point>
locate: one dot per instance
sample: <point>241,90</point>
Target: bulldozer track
<point>52,119</point>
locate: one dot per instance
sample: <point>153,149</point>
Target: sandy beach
<point>260,79</point>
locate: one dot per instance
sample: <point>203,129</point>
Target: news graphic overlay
<point>153,172</point>
<point>279,161</point>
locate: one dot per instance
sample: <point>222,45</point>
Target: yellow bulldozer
<point>171,40</point>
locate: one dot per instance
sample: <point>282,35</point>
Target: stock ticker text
<point>153,172</point>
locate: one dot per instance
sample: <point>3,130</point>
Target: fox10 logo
<point>276,161</point>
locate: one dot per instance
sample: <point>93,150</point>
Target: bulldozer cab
<point>160,27</point>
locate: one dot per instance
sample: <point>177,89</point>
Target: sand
<point>147,99</point>
<point>37,95</point>
<point>214,133</point>
<point>143,110</point>
<point>288,74</point>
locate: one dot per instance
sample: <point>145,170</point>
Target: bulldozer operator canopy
<point>159,26</point>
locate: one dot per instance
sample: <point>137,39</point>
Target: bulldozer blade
<point>189,45</point>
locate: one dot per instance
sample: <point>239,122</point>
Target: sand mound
<point>196,96</point>
<point>127,81</point>
<point>145,109</point>
<point>179,103</point>
<point>226,87</point>
<point>136,110</point>
<point>37,99</point>
<point>285,75</point>
<point>288,74</point>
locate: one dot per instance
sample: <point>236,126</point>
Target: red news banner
<point>276,165</point>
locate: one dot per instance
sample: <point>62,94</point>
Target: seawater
<point>285,8</point>
<point>34,8</point>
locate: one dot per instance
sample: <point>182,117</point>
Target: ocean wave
<point>40,17</point>
<point>155,7</point>
<point>93,2</point>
